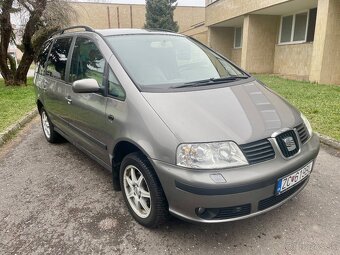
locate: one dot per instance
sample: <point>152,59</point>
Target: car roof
<point>109,32</point>
<point>130,31</point>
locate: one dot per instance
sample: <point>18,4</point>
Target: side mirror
<point>85,86</point>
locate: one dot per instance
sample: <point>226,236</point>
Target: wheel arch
<point>120,150</point>
<point>39,105</point>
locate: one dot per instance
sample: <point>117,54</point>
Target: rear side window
<point>87,62</point>
<point>56,64</point>
<point>42,58</point>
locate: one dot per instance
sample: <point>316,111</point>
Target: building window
<point>311,25</point>
<point>238,37</point>
<point>294,28</point>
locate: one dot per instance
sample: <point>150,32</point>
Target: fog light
<point>200,211</point>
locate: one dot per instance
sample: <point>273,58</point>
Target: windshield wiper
<point>210,81</point>
<point>230,78</point>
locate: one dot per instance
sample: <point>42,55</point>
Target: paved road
<point>54,200</point>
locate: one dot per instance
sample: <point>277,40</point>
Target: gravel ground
<point>55,200</point>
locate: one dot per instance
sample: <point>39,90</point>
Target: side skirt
<point>92,156</point>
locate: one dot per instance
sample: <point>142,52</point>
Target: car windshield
<point>170,61</point>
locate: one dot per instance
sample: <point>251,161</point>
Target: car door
<point>55,83</point>
<point>87,110</point>
<point>39,75</point>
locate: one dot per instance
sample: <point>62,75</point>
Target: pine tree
<point>160,15</point>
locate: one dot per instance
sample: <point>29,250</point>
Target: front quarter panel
<point>135,121</point>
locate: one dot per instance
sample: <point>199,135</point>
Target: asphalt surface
<point>55,200</point>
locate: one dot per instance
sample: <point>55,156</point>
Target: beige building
<point>298,39</point>
<point>109,15</point>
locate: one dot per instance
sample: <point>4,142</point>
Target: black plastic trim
<point>89,137</point>
<point>224,191</point>
<point>273,200</point>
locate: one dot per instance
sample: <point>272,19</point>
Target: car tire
<point>138,182</point>
<point>48,129</point>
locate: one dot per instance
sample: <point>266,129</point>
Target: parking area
<point>55,200</point>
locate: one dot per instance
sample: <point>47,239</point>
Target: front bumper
<point>248,190</point>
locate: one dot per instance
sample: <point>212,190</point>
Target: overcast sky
<point>180,2</point>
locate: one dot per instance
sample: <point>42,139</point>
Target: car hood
<point>242,113</point>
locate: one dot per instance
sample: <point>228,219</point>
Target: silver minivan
<point>182,129</point>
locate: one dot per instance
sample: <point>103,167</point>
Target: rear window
<point>42,58</point>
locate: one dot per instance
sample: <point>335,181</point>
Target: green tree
<point>36,21</point>
<point>160,15</point>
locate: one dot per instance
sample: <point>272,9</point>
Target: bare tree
<point>38,19</point>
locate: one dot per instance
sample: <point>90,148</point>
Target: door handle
<point>111,118</point>
<point>68,99</point>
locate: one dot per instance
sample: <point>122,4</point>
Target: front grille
<point>284,148</point>
<point>270,201</point>
<point>302,132</point>
<point>258,151</point>
<point>225,212</point>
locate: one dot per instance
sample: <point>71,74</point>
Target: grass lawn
<point>15,102</point>
<point>320,103</point>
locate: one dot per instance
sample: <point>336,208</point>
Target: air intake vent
<point>303,133</point>
<point>288,143</point>
<point>225,212</point>
<point>258,151</point>
<point>234,211</point>
<point>271,201</point>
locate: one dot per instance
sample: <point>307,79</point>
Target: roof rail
<point>60,32</point>
<point>160,30</point>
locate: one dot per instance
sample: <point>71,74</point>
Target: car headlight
<point>210,155</point>
<point>307,124</point>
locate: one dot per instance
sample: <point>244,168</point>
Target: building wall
<point>331,62</point>
<point>318,61</point>
<point>188,16</point>
<point>259,39</point>
<point>92,15</point>
<point>293,60</point>
<point>236,56</point>
<point>200,33</point>
<point>221,39</point>
<point>201,37</point>
<point>227,9</point>
<point>100,15</point>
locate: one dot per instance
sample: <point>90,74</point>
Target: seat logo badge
<point>290,144</point>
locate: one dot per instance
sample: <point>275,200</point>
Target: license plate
<point>287,182</point>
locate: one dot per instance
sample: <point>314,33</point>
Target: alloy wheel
<point>137,191</point>
<point>46,124</point>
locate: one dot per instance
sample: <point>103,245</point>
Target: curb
<point>4,136</point>
<point>329,141</point>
